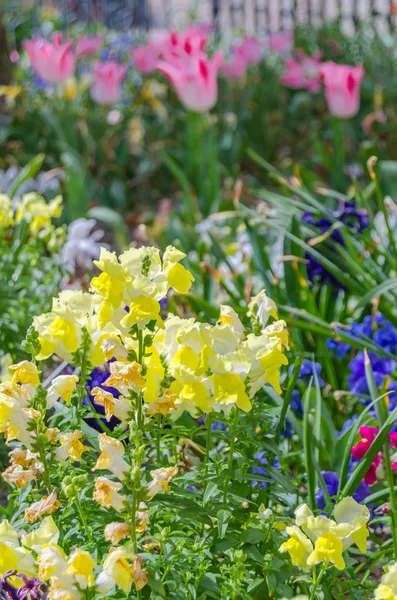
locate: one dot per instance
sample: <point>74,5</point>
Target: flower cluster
<point>313,540</point>
<point>32,209</point>
<point>154,366</point>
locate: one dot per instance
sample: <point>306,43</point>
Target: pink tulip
<point>145,58</point>
<point>342,88</point>
<point>303,73</point>
<point>195,80</point>
<point>54,61</point>
<point>250,50</point>
<point>282,42</point>
<point>108,77</point>
<point>234,68</point>
<point>88,44</point>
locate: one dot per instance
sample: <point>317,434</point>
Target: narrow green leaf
<point>29,171</point>
<point>308,449</point>
<point>287,398</point>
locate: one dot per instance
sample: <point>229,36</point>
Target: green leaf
<point>211,490</point>
<point>208,583</point>
<point>308,450</point>
<point>378,290</point>
<point>223,518</point>
<point>287,397</point>
<point>253,535</point>
<point>29,171</point>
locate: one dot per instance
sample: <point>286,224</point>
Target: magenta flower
<point>342,88</point>
<point>250,50</point>
<point>108,77</point>
<point>246,53</point>
<point>368,434</point>
<point>53,61</point>
<point>145,58</point>
<point>234,68</point>
<point>282,42</point>
<point>88,44</point>
<point>195,80</point>
<point>303,72</point>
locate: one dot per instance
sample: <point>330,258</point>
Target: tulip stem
<point>231,452</point>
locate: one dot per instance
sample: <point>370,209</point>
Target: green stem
<point>158,439</point>
<point>46,474</point>
<point>317,581</point>
<point>208,440</point>
<point>231,452</point>
<point>82,517</point>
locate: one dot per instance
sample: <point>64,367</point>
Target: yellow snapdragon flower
<point>327,548</point>
<point>299,547</point>
<point>111,457</point>
<point>106,493</point>
<point>387,589</point>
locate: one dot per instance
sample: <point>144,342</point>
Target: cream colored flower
<point>70,447</point>
<point>262,308</point>
<point>115,532</point>
<point>46,533</point>
<point>161,479</point>
<point>121,567</point>
<point>111,457</point>
<point>119,407</point>
<point>46,506</point>
<point>61,387</point>
<point>106,493</point>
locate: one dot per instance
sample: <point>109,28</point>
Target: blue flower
<point>262,460</point>
<point>341,348</point>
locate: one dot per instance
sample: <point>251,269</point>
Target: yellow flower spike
<point>81,564</point>
<point>142,310</point>
<point>106,493</point>
<point>327,548</point>
<point>70,447</point>
<point>25,372</point>
<point>229,389</point>
<point>61,387</point>
<point>299,547</point>
<point>180,279</point>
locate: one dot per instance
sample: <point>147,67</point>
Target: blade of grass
<point>308,449</point>
<point>287,398</point>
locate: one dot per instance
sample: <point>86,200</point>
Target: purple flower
<point>262,460</point>
<point>354,219</point>
<point>331,481</point>
<point>31,589</point>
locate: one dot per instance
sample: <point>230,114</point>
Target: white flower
<point>82,244</point>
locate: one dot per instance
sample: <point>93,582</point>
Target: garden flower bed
<point>198,326</point>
